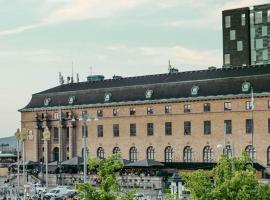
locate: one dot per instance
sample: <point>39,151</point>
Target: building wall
<point>197,140</point>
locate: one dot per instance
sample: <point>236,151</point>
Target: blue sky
<point>39,38</point>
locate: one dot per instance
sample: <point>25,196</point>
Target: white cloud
<point>20,29</point>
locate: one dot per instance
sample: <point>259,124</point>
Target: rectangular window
<point>56,115</point>
<point>239,45</point>
<point>99,113</point>
<point>115,112</point>
<point>248,105</point>
<point>259,43</point>
<point>132,111</point>
<point>249,126</point>
<point>232,35</point>
<point>227,59</point>
<point>187,127</point>
<point>168,128</point>
<point>207,127</point>
<point>150,111</point>
<point>268,125</point>
<point>187,108</point>
<point>268,15</point>
<point>116,130</point>
<point>243,19</point>
<point>265,54</point>
<point>228,126</point>
<point>227,106</point>
<point>206,107</point>
<point>264,30</point>
<point>168,109</point>
<point>150,129</point>
<point>227,21</point>
<point>258,17</point>
<point>55,133</point>
<point>132,128</point>
<point>100,130</point>
<point>84,131</point>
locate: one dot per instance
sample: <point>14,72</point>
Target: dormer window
<point>194,90</point>
<point>107,97</point>
<point>148,94</point>
<point>71,100</point>
<point>47,101</point>
<point>245,86</point>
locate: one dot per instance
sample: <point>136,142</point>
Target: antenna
<point>61,79</point>
<point>78,78</point>
<point>169,63</point>
<point>72,73</point>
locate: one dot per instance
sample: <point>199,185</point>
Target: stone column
<point>60,133</point>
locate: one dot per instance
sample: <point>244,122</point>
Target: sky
<point>40,38</point>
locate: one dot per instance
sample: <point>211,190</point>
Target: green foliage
<point>231,179</point>
<point>108,186</point>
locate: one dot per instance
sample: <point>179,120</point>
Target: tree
<point>231,179</point>
<point>108,186</point>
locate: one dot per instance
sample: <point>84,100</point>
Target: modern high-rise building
<point>246,36</point>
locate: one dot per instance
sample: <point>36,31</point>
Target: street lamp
<point>176,185</point>
<point>23,136</point>
<point>46,137</point>
<point>18,138</point>
<point>85,118</point>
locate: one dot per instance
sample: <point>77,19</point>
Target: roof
<point>211,83</point>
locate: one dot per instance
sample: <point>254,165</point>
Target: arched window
<point>133,154</point>
<point>168,154</point>
<point>228,151</point>
<point>208,154</point>
<point>150,153</point>
<point>87,152</point>
<point>100,153</point>
<point>251,151</point>
<point>55,154</point>
<point>187,154</point>
<point>117,152</point>
<point>268,156</point>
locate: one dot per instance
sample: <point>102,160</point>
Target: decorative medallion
<point>71,100</point>
<point>245,86</point>
<point>47,101</point>
<point>194,90</point>
<point>148,94</point>
<point>107,97</point>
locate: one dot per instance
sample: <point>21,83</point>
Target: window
<point>168,154</point>
<point>251,151</point>
<point>55,134</point>
<point>84,131</point>
<point>187,154</point>
<point>150,111</point>
<point>206,107</point>
<point>132,111</point>
<point>133,154</point>
<point>208,154</point>
<point>268,15</point>
<point>168,128</point>
<point>259,43</point>
<point>228,126</point>
<point>227,106</point>
<point>258,17</point>
<point>232,35</point>
<point>168,109</point>
<point>150,153</point>
<point>100,113</point>
<point>187,108</point>
<point>207,127</point>
<point>228,151</point>
<point>116,151</point>
<point>268,125</point>
<point>116,130</point>
<point>243,19</point>
<point>248,105</point>
<point>150,129</point>
<point>187,127</point>
<point>239,45</point>
<point>100,130</point>
<point>132,129</point>
<point>87,152</point>
<point>227,21</point>
<point>265,54</point>
<point>100,153</point>
<point>227,60</point>
<point>268,103</point>
<point>264,30</point>
<point>268,156</point>
<point>115,112</point>
<point>249,126</point>
<point>56,115</point>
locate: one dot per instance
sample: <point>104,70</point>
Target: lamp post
<point>46,137</point>
<point>18,138</point>
<point>85,118</point>
<point>176,186</point>
<point>23,137</point>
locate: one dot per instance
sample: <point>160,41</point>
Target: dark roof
<point>214,82</point>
